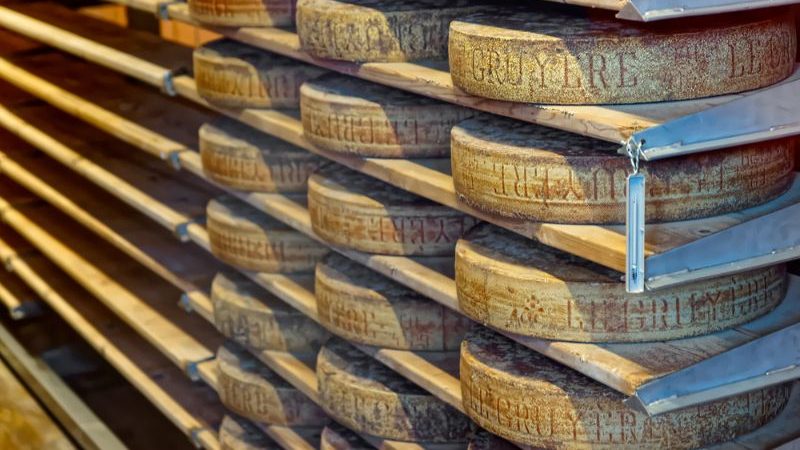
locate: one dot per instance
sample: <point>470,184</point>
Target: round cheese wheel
<point>519,285</point>
<point>347,115</point>
<point>243,13</point>
<point>245,237</point>
<point>568,57</point>
<point>378,30</point>
<point>527,398</point>
<point>234,75</point>
<point>368,397</point>
<point>239,157</point>
<point>250,389</point>
<point>251,316</point>
<point>337,437</point>
<point>519,170</point>
<point>237,433</point>
<point>365,307</point>
<point>355,211</point>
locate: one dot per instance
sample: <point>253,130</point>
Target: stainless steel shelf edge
<point>652,10</point>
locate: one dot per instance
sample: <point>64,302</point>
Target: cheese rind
<point>574,57</point>
<point>347,115</point>
<point>365,307</point>
<point>529,399</point>
<point>243,13</point>
<point>368,397</point>
<point>355,211</point>
<point>239,157</point>
<point>519,170</point>
<point>237,433</point>
<point>244,237</point>
<point>235,75</point>
<point>250,389</point>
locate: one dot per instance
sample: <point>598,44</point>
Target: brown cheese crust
<point>378,30</point>
<point>527,398</point>
<point>244,13</point>
<point>518,285</point>
<point>244,237</point>
<point>347,115</point>
<point>515,169</point>
<point>251,316</point>
<point>363,306</point>
<point>337,437</point>
<point>239,157</point>
<point>251,390</point>
<point>237,433</point>
<point>568,57</point>
<point>235,75</point>
<point>359,212</point>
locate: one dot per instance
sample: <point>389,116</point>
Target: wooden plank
<point>71,412</point>
<point>18,298</point>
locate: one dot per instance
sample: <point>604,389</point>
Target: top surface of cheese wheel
<point>370,398</point>
<point>519,285</point>
<point>527,398</point>
<point>360,212</point>
<point>574,57</point>
<point>244,13</point>
<point>337,437</point>
<point>235,75</point>
<point>378,30</point>
<point>238,156</point>
<point>536,173</point>
<point>251,316</point>
<point>237,433</point>
<point>344,114</point>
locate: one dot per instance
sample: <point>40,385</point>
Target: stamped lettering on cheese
<point>240,157</point>
<point>356,211</point>
<point>243,13</point>
<point>246,238</point>
<point>578,57</point>
<point>344,114</point>
<point>368,397</point>
<point>519,285</point>
<point>237,433</point>
<point>251,390</point>
<point>519,170</point>
<point>529,399</point>
<point>235,75</point>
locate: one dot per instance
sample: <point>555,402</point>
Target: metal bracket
<point>651,10</point>
<point>635,222</point>
<point>186,303</point>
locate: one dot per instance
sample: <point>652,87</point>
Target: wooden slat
<point>18,298</point>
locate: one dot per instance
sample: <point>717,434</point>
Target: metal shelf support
<point>652,10</point>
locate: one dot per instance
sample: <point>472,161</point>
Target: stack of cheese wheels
<point>251,390</point>
<point>363,306</point>
<point>243,13</point>
<point>518,285</point>
<point>239,157</point>
<point>567,57</point>
<point>529,399</point>
<point>234,75</point>
<point>244,237</point>
<point>337,437</point>
<point>368,397</point>
<point>237,433</point>
<point>520,170</point>
<point>378,30</point>
<point>359,212</point>
<point>250,316</point>
<point>347,115</point>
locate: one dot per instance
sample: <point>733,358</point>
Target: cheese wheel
<point>577,57</point>
<point>337,437</point>
<point>518,285</point>
<point>347,115</point>
<point>527,398</point>
<point>234,75</point>
<point>239,157</point>
<point>519,170</point>
<point>355,211</point>
<point>368,397</point>
<point>251,316</point>
<point>365,307</point>
<point>378,30</point>
<point>250,389</point>
<point>243,13</point>
<point>237,433</point>
<point>243,236</point>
